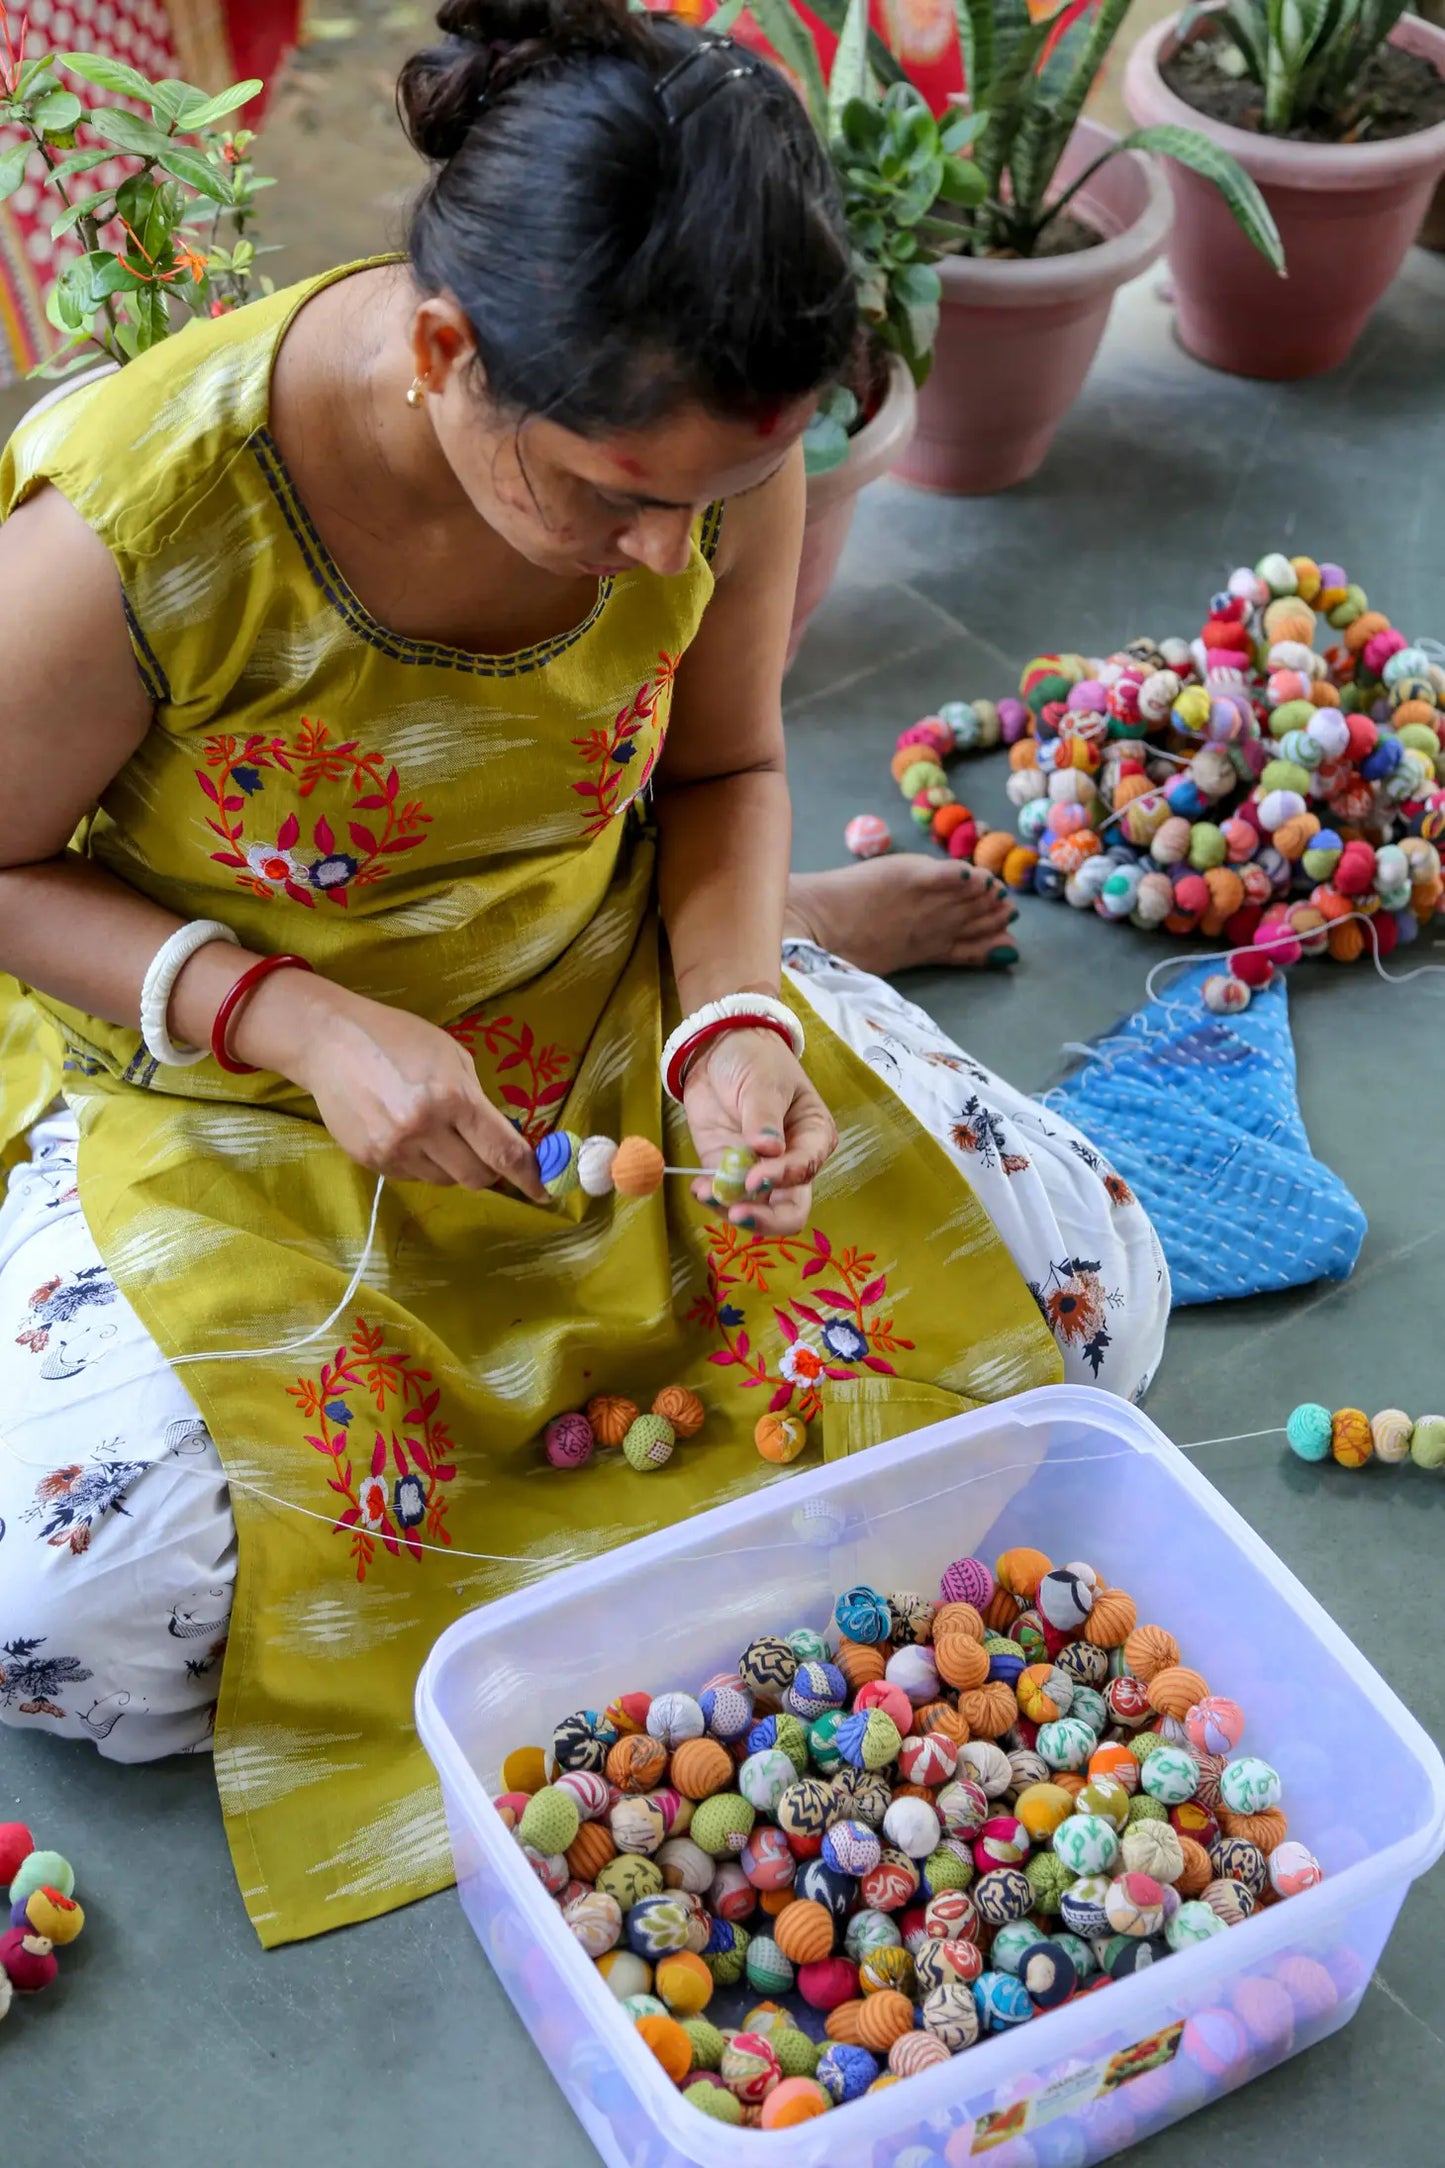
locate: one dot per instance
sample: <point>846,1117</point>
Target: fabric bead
<point>648,1444</point>
<point>1235,1859</point>
<point>551,1820</point>
<point>889,1968</point>
<point>1066,1744</point>
<point>684,1865</point>
<point>1192,1923</point>
<point>674,1718</point>
<point>1390,1431</point>
<point>1087,1844</point>
<point>749,2068</point>
<point>1083,1906</point>
<point>713,2100</point>
<point>1111,1620</point>
<point>1170,1776</point>
<point>1248,1786</point>
<point>727,1710</point>
<point>912,1826</point>
<point>961,1661</point>
<point>1002,2001</point>
<point>913,1669</point>
<point>967,1581</point>
<point>722,1825</point>
<point>1002,1895</point>
<point>1215,1725</point>
<point>1135,1905</point>
<point>568,1441</point>
<point>637,1168</point>
<point>579,1742</point>
<point>1154,1849</point>
<point>1293,1868</point>
<point>766,1968</point>
<point>767,1665</point>
<point>1042,1808</point>
<point>596,1920</point>
<point>851,1848</point>
<point>1044,1692</point>
<point>637,1763</point>
<point>764,1777</point>
<point>611,1417</point>
<point>1049,1976</point>
<point>816,1688</point>
<point>1049,1881</point>
<point>1427,1442</point>
<point>701,1767</point>
<point>863,1615</point>
<point>632,1876</point>
<point>989,1710</point>
<point>656,1926</point>
<point>780,1439</point>
<point>845,2073</point>
<point>594,1159</point>
<point>669,2043</point>
<point>1149,1649</point>
<point>556,1156</point>
<point>1351,1440</point>
<point>805,1808</point>
<point>1175,1690</point>
<point>869,1740</point>
<point>866,836</point>
<point>795,2100</point>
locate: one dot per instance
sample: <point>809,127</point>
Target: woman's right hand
<point>398,1094</point>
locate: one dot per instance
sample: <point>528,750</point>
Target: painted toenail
<point>1001,958</point>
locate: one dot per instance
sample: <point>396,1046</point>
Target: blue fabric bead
<point>844,2072</point>
<point>862,1615</point>
<point>1309,1431</point>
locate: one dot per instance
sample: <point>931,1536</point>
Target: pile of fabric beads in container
<point>1242,785</point>
<point>853,1856</point>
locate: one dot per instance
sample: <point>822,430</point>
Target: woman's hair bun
<point>489,46</point>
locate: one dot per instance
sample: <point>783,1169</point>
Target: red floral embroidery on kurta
<point>613,752</point>
<point>278,862</point>
<point>406,1455</point>
<point>540,1081</point>
<point>841,1329</point>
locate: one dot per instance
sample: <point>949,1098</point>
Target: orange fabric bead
<point>884,2018</point>
<point>637,1167</point>
<point>611,1417</point>
<point>1001,1611</point>
<point>938,1716</point>
<point>701,1767</point>
<point>1347,941</point>
<point>1287,618</point>
<point>906,757</point>
<point>1267,1830</point>
<point>1292,838</point>
<point>669,2043</point>
<point>989,1711</point>
<point>804,1932</point>
<point>1363,630</point>
<point>682,1408</point>
<point>993,848</point>
<point>860,1663</point>
<point>796,2100</point>
<point>1150,1649</point>
<point>1024,753</point>
<point>958,1618</point>
<point>841,2024</point>
<point>1197,1872</point>
<point>637,1763</point>
<point>1111,1621</point>
<point>947,818</point>
<point>915,1791</point>
<point>1175,1690</point>
<point>961,1662</point>
<point>1021,1570</point>
<point>1130,787</point>
<point>1323,694</point>
<point>774,1901</point>
<point>1415,711</point>
<point>590,1850</point>
<point>1018,865</point>
<point>1068,1780</point>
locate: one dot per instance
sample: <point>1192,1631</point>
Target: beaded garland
<point>910,1918</point>
<point>43,1913</point>
<point>1243,784</point>
<point>1351,1438</point>
<point>634,1168</point>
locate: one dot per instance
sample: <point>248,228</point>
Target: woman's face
<point>595,505</point>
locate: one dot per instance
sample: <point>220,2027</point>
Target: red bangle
<point>691,1048</point>
<point>244,987</point>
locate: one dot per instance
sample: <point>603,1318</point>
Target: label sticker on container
<point>1076,2088</point>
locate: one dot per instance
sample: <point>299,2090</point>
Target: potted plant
<point>171,241</point>
<point>1337,108</point>
<point>895,166</point>
<point>1067,214</point>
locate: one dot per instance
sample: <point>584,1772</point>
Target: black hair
<point>622,243</point>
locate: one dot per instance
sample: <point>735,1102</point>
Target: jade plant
<point>1028,76</point>
<point>1307,56</point>
<point>171,241</point>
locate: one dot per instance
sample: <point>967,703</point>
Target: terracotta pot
<point>1016,339</point>
<point>1432,231</point>
<point>1346,212</point>
<point>833,497</point>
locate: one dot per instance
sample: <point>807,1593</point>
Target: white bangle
<point>718,1012</point>
<point>155,994</point>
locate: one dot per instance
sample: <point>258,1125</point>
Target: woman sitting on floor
<point>423,627</point>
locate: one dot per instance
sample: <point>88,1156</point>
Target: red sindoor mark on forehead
<point>768,420</point>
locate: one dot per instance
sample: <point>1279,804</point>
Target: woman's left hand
<point>748,1087</point>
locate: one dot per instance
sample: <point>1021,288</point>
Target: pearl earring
<point>416,391</point>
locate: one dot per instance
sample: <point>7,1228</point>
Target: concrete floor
<point>172,2038</point>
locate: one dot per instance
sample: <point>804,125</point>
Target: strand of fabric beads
<point>1351,1438</point>
<point>1259,791</point>
<point>634,1168</point>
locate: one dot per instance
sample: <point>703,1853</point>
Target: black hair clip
<point>743,63</point>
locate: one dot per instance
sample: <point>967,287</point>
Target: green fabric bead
<point>808,1647</point>
<point>649,1443</point>
<point>728,1966</point>
<point>550,1821</point>
<point>1090,1708</point>
<point>946,1870</point>
<point>1285,775</point>
<point>1427,1442</point>
<point>881,1740</point>
<point>629,1878</point>
<point>923,775</point>
<point>791,1738</point>
<point>1048,1878</point>
<point>1207,847</point>
<point>707,2042</point>
<point>823,1744</point>
<point>1309,1428</point>
<point>767,1968</point>
<point>1145,1743</point>
<point>723,1824</point>
<point>716,2101</point>
<point>637,2006</point>
<point>1144,1809</point>
<point>730,1176</point>
<point>1291,715</point>
<point>797,2054</point>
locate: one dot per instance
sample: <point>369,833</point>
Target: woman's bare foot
<point>888,914</point>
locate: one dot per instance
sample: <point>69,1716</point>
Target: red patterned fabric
<point>247,37</point>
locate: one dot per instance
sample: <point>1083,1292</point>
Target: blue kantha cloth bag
<point>1201,1116</point>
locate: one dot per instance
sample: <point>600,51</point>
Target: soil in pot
<point>1398,94</point>
<point>1066,236</point>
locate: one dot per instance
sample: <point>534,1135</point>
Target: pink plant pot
<point>1016,339</point>
<point>1346,212</point>
<point>833,497</point>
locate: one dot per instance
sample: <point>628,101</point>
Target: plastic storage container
<point>1083,1476</point>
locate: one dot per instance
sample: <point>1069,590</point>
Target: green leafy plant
<point>1029,85</point>
<point>173,240</point>
<point>1307,56</point>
